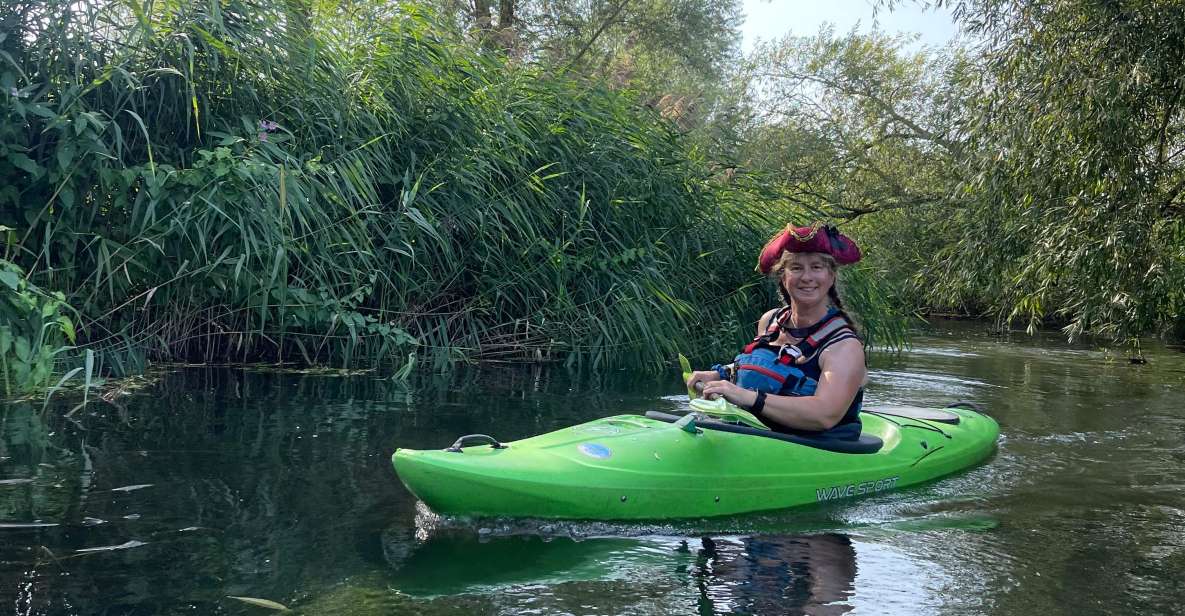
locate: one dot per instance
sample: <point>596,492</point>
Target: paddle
<point>719,408</point>
<point>686,365</point>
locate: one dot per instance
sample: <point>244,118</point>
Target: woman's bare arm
<point>842,376</point>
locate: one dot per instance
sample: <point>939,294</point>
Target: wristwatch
<point>758,404</point>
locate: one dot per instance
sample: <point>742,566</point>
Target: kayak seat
<point>908,412</point>
<point>865,444</point>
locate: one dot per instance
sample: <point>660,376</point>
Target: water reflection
<point>279,486</point>
<point>763,574</point>
<point>776,575</point>
<point>900,567</point>
<point>453,565</point>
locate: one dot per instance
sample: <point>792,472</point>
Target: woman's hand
<point>698,378</point>
<point>732,392</point>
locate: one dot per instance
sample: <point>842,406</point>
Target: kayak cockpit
<point>866,443</point>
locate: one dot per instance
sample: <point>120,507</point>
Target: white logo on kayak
<point>855,489</point>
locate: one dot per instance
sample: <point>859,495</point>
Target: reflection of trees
<point>776,574</point>
<point>43,485</point>
<point>281,474</point>
<point>31,463</point>
<point>264,465</point>
<point>278,485</point>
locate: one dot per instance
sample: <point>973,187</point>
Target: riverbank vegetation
<point>354,183</point>
<point>1033,172</point>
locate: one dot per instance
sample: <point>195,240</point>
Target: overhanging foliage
<point>256,180</point>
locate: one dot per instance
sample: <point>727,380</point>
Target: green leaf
<point>147,138</point>
<point>65,155</point>
<point>67,327</point>
<point>22,349</point>
<point>141,16</point>
<point>52,390</point>
<point>66,196</point>
<point>24,163</point>
<point>42,111</point>
<point>11,279</point>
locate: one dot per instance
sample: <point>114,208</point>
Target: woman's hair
<point>784,262</point>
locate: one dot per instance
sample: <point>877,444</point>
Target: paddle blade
<point>726,411</point>
<point>686,365</point>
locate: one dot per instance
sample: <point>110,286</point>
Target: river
<point>212,483</point>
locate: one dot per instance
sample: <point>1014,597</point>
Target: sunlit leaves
<point>1079,144</point>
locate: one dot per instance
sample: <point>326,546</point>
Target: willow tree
<point>859,124</point>
<point>1078,148</point>
<point>674,53</point>
<point>1035,175</point>
<point>869,129</point>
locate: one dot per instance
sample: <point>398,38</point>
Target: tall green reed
<point>236,181</point>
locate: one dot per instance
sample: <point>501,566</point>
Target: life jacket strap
<point>807,346</point>
<point>780,378</point>
<point>815,337</point>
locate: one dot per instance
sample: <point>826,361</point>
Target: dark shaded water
<point>278,486</point>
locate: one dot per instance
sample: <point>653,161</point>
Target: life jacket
<point>764,366</point>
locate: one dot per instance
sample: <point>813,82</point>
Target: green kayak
<point>664,466</point>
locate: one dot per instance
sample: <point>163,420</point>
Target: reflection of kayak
<point>634,467</point>
<point>466,564</point>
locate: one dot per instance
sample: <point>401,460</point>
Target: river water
<point>213,483</point>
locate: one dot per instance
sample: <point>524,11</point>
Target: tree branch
<point>882,104</point>
<point>1172,196</point>
<point>1169,110</point>
<point>596,35</point>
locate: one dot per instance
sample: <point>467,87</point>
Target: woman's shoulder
<point>844,348</point>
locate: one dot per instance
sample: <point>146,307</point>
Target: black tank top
<point>849,426</point>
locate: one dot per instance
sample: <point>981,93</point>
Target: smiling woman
<point>804,372</point>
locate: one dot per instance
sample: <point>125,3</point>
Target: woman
<point>804,372</point>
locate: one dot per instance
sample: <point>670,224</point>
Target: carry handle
<point>482,439</point>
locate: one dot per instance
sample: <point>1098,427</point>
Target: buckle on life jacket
<point>788,354</point>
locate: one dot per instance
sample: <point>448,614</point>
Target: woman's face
<point>808,277</point>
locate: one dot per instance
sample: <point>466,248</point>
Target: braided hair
<point>833,294</point>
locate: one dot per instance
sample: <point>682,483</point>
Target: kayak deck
<point>634,467</point>
<point>865,444</point>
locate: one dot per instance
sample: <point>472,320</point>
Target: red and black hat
<point>815,238</point>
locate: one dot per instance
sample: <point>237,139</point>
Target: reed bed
<point>266,180</point>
